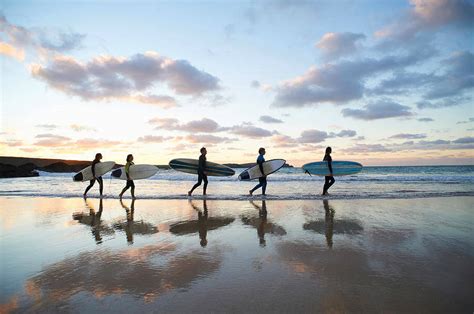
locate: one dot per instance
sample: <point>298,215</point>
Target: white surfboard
<point>101,168</point>
<point>269,167</point>
<point>136,172</point>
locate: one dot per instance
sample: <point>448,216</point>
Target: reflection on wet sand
<point>328,226</point>
<point>131,272</point>
<point>93,220</point>
<point>132,227</point>
<point>202,225</point>
<point>262,224</point>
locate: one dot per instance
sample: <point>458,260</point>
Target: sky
<point>381,82</point>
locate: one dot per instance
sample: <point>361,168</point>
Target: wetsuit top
<point>328,158</point>
<point>127,167</point>
<point>260,161</point>
<point>201,164</point>
<point>94,162</point>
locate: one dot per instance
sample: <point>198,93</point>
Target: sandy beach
<point>368,255</point>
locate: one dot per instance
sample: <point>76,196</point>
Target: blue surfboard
<point>339,168</point>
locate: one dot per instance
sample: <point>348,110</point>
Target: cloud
<point>204,125</point>
<point>208,139</point>
<point>466,121</point>
<point>11,143</point>
<point>428,15</point>
<point>446,103</point>
<point>408,136</point>
<point>340,82</point>
<point>425,120</point>
<point>47,126</point>
<point>464,140</point>
<point>80,128</point>
<point>153,139</point>
<point>335,45</point>
<point>379,110</point>
<point>269,119</point>
<point>109,77</point>
<point>51,140</point>
<point>313,136</point>
<point>250,131</point>
<point>18,39</point>
<point>255,84</point>
<point>345,133</point>
<point>366,148</point>
<point>11,51</point>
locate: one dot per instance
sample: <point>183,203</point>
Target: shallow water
<point>364,255</point>
<point>286,184</point>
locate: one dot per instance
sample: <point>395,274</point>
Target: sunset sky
<point>381,82</point>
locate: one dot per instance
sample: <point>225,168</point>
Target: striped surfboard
<point>191,166</point>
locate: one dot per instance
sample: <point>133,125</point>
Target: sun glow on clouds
<point>377,88</point>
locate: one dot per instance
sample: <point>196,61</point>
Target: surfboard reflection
<point>130,226</point>
<point>93,219</point>
<point>202,225</point>
<point>261,223</point>
<point>329,226</point>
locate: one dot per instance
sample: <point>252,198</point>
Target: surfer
<point>97,159</point>
<point>202,175</point>
<point>329,180</point>
<point>130,183</point>
<point>262,181</point>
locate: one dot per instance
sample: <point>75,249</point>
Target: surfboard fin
<point>306,171</point>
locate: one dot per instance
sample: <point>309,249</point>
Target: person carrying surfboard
<point>262,181</point>
<point>130,183</point>
<point>96,160</point>
<point>202,175</point>
<point>328,180</point>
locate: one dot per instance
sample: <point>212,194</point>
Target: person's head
<point>328,150</point>
<point>261,151</point>
<point>129,157</point>
<point>203,151</point>
<point>98,156</point>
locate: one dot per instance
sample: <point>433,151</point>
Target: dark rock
<point>10,171</point>
<point>63,167</point>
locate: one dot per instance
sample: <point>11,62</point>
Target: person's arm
<point>330,165</point>
<point>260,165</point>
<point>93,168</point>
<point>127,170</point>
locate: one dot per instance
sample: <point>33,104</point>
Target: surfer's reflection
<point>130,226</point>
<point>261,223</point>
<point>93,219</point>
<point>329,222</point>
<point>202,225</point>
<point>202,222</point>
<point>329,226</point>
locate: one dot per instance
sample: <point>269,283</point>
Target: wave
<point>399,194</point>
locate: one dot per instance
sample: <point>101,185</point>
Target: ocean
<point>286,184</point>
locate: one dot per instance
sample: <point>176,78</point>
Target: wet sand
<point>392,255</point>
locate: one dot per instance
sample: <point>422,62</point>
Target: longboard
<point>191,166</point>
<point>101,168</point>
<point>137,172</point>
<point>269,167</point>
<point>339,168</point>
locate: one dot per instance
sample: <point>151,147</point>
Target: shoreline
<point>268,197</point>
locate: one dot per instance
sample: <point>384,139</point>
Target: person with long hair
<point>130,183</point>
<point>202,175</point>
<point>328,180</point>
<point>96,160</point>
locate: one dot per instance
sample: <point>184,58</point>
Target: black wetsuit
<point>99,179</point>
<point>262,181</point>
<point>329,180</point>
<point>201,175</point>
